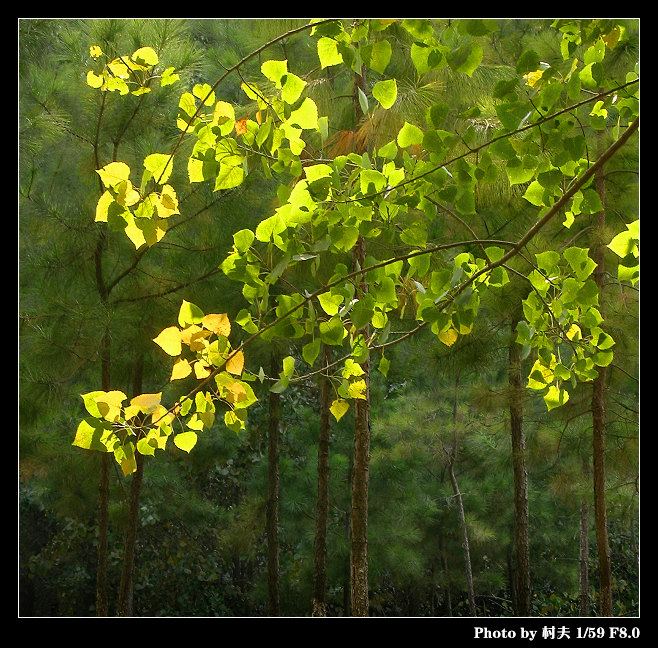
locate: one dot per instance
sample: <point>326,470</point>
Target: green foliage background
<point>201,548</point>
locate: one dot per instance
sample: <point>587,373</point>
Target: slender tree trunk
<point>583,558</point>
<point>347,587</point>
<point>452,457</point>
<point>360,477</point>
<point>598,421</point>
<point>521,514</point>
<point>360,473</point>
<point>103,497</point>
<point>444,567</point>
<point>319,603</point>
<point>125,601</point>
<point>272,521</point>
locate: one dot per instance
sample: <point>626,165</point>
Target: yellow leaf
<point>181,369</point>
<point>170,340</point>
<point>235,363</point>
<point>94,80</point>
<point>162,415</point>
<point>102,206</point>
<point>357,389</point>
<point>194,336</point>
<point>95,51</point>
<point>236,393</point>
<point>448,337</point>
<point>134,233</point>
<point>201,370</point>
<point>338,408</point>
<point>126,196</point>
<point>185,440</point>
<point>113,173</point>
<point>217,323</point>
<point>145,56</point>
<point>147,403</point>
<point>109,404</point>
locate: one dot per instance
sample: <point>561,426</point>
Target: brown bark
<point>360,476</point>
<point>103,496</point>
<point>125,600</point>
<point>583,557</point>
<point>272,521</point>
<point>319,603</point>
<point>360,471</point>
<point>522,589</point>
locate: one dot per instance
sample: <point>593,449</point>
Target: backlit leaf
<point>170,340</point>
<point>385,92</point>
<point>189,314</point>
<point>235,363</point>
<point>185,440</point>
<point>218,323</point>
<point>113,173</point>
<point>181,369</point>
<point>160,165</point>
<point>339,408</point>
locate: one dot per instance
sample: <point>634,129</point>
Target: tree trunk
<point>125,601</point>
<point>347,587</point>
<point>598,422</point>
<point>465,545</point>
<point>452,456</point>
<point>444,567</point>
<point>272,521</point>
<point>521,515</point>
<point>360,472</point>
<point>360,476</point>
<point>583,560</point>
<point>319,603</point>
<point>103,494</point>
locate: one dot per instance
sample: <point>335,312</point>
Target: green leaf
<point>189,314</point>
<point>624,244</point>
<point>288,366</point>
<point>243,240</point>
<point>409,135</point>
<point>513,113</point>
<point>328,52</point>
<point>380,55</point>
<point>527,62</point>
<point>311,351</point>
<point>385,92</point>
<point>306,116</point>
<point>330,302</point>
<point>466,58</point>
<point>536,195</point>
<point>274,70</point>
<point>384,365</point>
<point>332,332</point>
<point>95,434</point>
<point>229,176</point>
<point>555,396</point>
<point>580,262</point>
<point>292,88</point>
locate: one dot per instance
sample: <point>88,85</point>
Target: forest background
<point>229,528</point>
